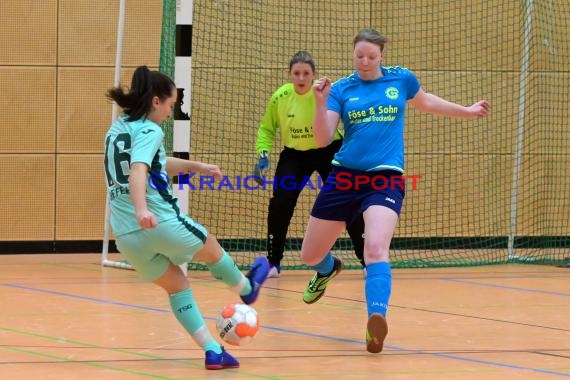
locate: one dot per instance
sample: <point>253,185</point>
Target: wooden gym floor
<point>66,317</point>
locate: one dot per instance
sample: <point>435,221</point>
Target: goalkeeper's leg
<point>281,209</point>
<point>356,233</point>
<point>290,173</point>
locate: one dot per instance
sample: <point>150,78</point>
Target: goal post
<point>492,190</point>
<point>105,260</point>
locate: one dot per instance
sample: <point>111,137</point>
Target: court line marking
<point>63,359</point>
<point>359,301</point>
<point>95,363</point>
<point>295,332</point>
<point>491,285</point>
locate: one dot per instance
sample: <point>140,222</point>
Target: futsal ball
<point>237,324</point>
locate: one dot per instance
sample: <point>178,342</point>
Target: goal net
<point>492,190</point>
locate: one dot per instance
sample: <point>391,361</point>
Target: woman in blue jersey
<point>366,175</point>
<point>150,229</point>
<point>291,109</point>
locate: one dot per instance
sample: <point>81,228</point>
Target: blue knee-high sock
<point>188,314</point>
<point>227,271</point>
<point>326,266</point>
<point>378,287</point>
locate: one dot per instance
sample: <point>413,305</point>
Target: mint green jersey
<point>126,143</point>
<point>291,113</point>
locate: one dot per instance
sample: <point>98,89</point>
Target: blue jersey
<point>373,116</point>
<point>126,143</point>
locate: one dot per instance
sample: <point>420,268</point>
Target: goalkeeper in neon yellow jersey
<point>291,109</point>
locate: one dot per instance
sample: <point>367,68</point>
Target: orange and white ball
<point>237,324</point>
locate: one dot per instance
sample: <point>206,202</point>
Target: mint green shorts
<point>150,251</point>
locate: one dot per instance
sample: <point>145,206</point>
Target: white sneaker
<point>273,272</point>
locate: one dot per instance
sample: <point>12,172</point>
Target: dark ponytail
<point>145,85</point>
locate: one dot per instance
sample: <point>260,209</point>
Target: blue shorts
<point>348,193</point>
<point>150,251</point>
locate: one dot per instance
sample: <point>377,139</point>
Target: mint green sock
<point>188,314</point>
<point>227,271</point>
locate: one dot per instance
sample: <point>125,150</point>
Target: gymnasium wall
<point>56,62</point>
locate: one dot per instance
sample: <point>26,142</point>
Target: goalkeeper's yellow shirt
<point>293,115</point>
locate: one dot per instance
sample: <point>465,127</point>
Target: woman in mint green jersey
<point>150,229</point>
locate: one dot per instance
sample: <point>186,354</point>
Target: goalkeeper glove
<point>261,167</point>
